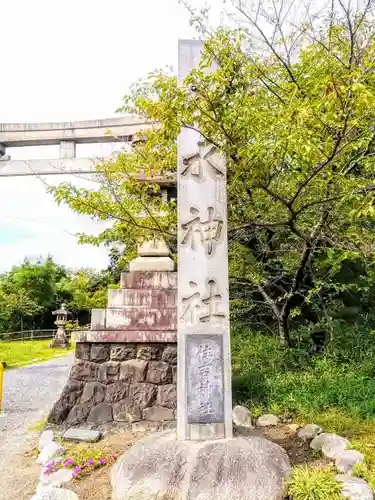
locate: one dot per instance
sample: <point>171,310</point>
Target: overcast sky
<point>70,60</point>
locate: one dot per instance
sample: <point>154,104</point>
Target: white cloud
<point>70,60</point>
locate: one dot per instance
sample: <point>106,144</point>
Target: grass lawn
<point>26,352</point>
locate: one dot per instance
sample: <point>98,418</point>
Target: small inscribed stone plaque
<point>205,380</point>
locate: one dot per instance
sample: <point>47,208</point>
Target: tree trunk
<point>283,327</point>
<point>21,323</point>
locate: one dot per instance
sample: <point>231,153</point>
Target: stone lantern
<point>61,340</point>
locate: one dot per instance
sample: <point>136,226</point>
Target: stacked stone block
<point>119,382</point>
<point>126,365</point>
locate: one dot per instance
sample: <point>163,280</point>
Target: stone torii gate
<point>67,135</point>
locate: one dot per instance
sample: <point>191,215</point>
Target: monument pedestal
<point>126,365</point>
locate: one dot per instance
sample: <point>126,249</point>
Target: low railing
<point>30,335</point>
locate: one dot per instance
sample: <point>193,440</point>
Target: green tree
<point>293,113</point>
<point>84,289</point>
<point>22,305</point>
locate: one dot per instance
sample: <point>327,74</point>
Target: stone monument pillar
<point>204,366</point>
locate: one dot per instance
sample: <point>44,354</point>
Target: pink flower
<point>68,462</point>
<point>90,461</point>
<point>101,460</point>
<point>77,469</point>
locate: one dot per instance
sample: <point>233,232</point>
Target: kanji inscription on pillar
<point>205,394</point>
<point>204,371</point>
<point>202,232</point>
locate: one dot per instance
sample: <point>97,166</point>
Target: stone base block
<point>160,467</point>
<point>158,264</point>
<point>119,382</point>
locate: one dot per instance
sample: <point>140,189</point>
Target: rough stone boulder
<point>160,467</point>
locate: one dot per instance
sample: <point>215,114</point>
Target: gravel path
<point>29,394</point>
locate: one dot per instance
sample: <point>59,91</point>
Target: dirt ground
<point>96,486</point>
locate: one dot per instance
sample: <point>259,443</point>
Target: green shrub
<point>299,382</point>
<point>311,483</point>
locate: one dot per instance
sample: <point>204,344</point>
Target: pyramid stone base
<point>126,365</point>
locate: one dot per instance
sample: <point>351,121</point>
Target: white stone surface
<point>267,420</point>
<point>331,442</point>
<point>45,438</point>
<point>242,417</point>
<point>309,431</point>
<point>153,248</point>
<point>346,460</point>
<point>56,479</point>
<point>152,264</point>
<point>203,295</point>
<point>85,131</point>
<point>59,166</point>
<point>162,467</point>
<point>354,488</point>
<point>50,451</point>
<point>55,494</point>
<point>67,149</point>
<point>98,319</point>
<point>81,435</point>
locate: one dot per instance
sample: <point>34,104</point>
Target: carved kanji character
<point>207,232</point>
<point>202,310</point>
<point>205,160</point>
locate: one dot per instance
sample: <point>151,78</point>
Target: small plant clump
<point>312,483</point>
<point>78,466</point>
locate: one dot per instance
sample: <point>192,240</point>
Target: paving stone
<point>267,420</point>
<point>354,488</point>
<point>50,451</point>
<point>347,460</point>
<point>330,445</point>
<point>78,435</point>
<point>242,417</point>
<point>55,494</point>
<point>309,431</point>
<point>45,438</point>
<point>57,479</point>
